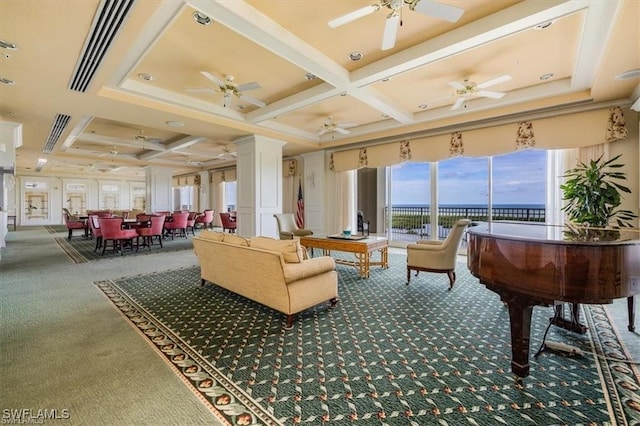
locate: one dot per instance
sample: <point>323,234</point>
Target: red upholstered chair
<point>205,219</point>
<point>111,228</point>
<point>71,222</point>
<point>227,223</point>
<point>155,230</point>
<point>191,222</point>
<point>178,223</point>
<point>94,225</point>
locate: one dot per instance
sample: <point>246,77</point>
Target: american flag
<point>300,210</point>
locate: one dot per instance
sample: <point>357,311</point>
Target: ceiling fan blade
<point>201,90</point>
<point>226,100</point>
<point>438,10</point>
<point>347,125</point>
<point>256,102</point>
<point>249,86</point>
<point>213,78</point>
<point>458,104</point>
<point>488,94</point>
<point>390,31</point>
<point>323,131</point>
<point>494,81</point>
<point>352,16</point>
<point>456,85</point>
<point>342,131</point>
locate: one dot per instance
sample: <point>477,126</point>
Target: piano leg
<point>632,314</point>
<point>520,310</point>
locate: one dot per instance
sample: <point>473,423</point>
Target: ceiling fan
<point>227,154</point>
<point>331,126</point>
<point>229,89</point>
<point>468,89</point>
<point>140,137</point>
<point>427,7</point>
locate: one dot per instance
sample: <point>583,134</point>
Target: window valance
<point>559,132</point>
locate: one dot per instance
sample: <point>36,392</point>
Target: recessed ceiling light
<point>201,18</point>
<point>343,94</point>
<point>543,25</point>
<point>547,76</point>
<point>384,115</point>
<point>7,81</point>
<point>355,56</point>
<point>423,106</point>
<point>175,124</point>
<point>8,45</point>
<point>309,76</point>
<point>145,76</point>
<point>628,74</point>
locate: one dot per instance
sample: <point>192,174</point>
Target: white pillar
<point>159,194</point>
<point>259,187</point>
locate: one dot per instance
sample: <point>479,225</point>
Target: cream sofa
<point>275,273</point>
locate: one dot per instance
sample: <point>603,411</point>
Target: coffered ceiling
<point>149,90</point>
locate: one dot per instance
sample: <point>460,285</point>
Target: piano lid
<point>550,234</point>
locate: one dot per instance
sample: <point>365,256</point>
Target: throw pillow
<point>211,235</point>
<point>291,250</point>
<point>234,239</point>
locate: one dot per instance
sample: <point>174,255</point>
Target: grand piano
<point>536,264</point>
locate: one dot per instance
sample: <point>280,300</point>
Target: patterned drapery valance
<point>616,129</point>
<point>186,180</point>
<point>290,168</point>
<point>525,137</point>
<point>457,147</point>
<point>557,132</point>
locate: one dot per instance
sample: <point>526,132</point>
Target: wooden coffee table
<point>361,247</point>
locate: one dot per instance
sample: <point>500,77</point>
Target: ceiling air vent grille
<point>57,127</point>
<point>103,30</point>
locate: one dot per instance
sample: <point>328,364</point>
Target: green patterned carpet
<point>80,249</point>
<point>388,353</point>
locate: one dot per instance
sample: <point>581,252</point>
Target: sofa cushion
<point>211,235</point>
<point>309,268</point>
<point>235,239</point>
<point>291,250</point>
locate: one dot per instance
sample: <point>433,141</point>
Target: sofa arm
<point>308,268</point>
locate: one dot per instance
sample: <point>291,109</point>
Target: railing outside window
<point>411,223</point>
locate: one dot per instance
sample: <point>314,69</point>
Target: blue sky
<point>519,178</point>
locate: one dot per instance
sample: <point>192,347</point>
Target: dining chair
<point>178,223</point>
<point>111,228</point>
<point>205,219</point>
<point>227,223</point>
<point>72,222</point>
<point>437,256</point>
<point>155,230</point>
<point>191,222</point>
<point>96,231</point>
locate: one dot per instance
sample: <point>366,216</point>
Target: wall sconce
<point>311,178</point>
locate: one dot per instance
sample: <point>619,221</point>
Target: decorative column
<point>259,187</point>
<point>159,195</point>
<point>205,192</point>
<point>314,191</point>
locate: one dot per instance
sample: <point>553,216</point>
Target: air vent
<point>103,30</point>
<point>57,127</point>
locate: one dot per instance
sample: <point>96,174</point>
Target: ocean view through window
<point>506,187</point>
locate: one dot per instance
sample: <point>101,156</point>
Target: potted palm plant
<point>593,196</point>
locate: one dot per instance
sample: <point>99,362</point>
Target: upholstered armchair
<point>96,232</point>
<point>437,256</point>
<point>205,219</point>
<point>72,222</point>
<point>287,227</point>
<point>154,230</point>
<point>111,228</point>
<point>178,223</point>
<point>191,222</point>
<point>228,223</point>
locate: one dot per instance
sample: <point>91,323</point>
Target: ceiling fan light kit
<point>229,89</point>
<point>468,89</point>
